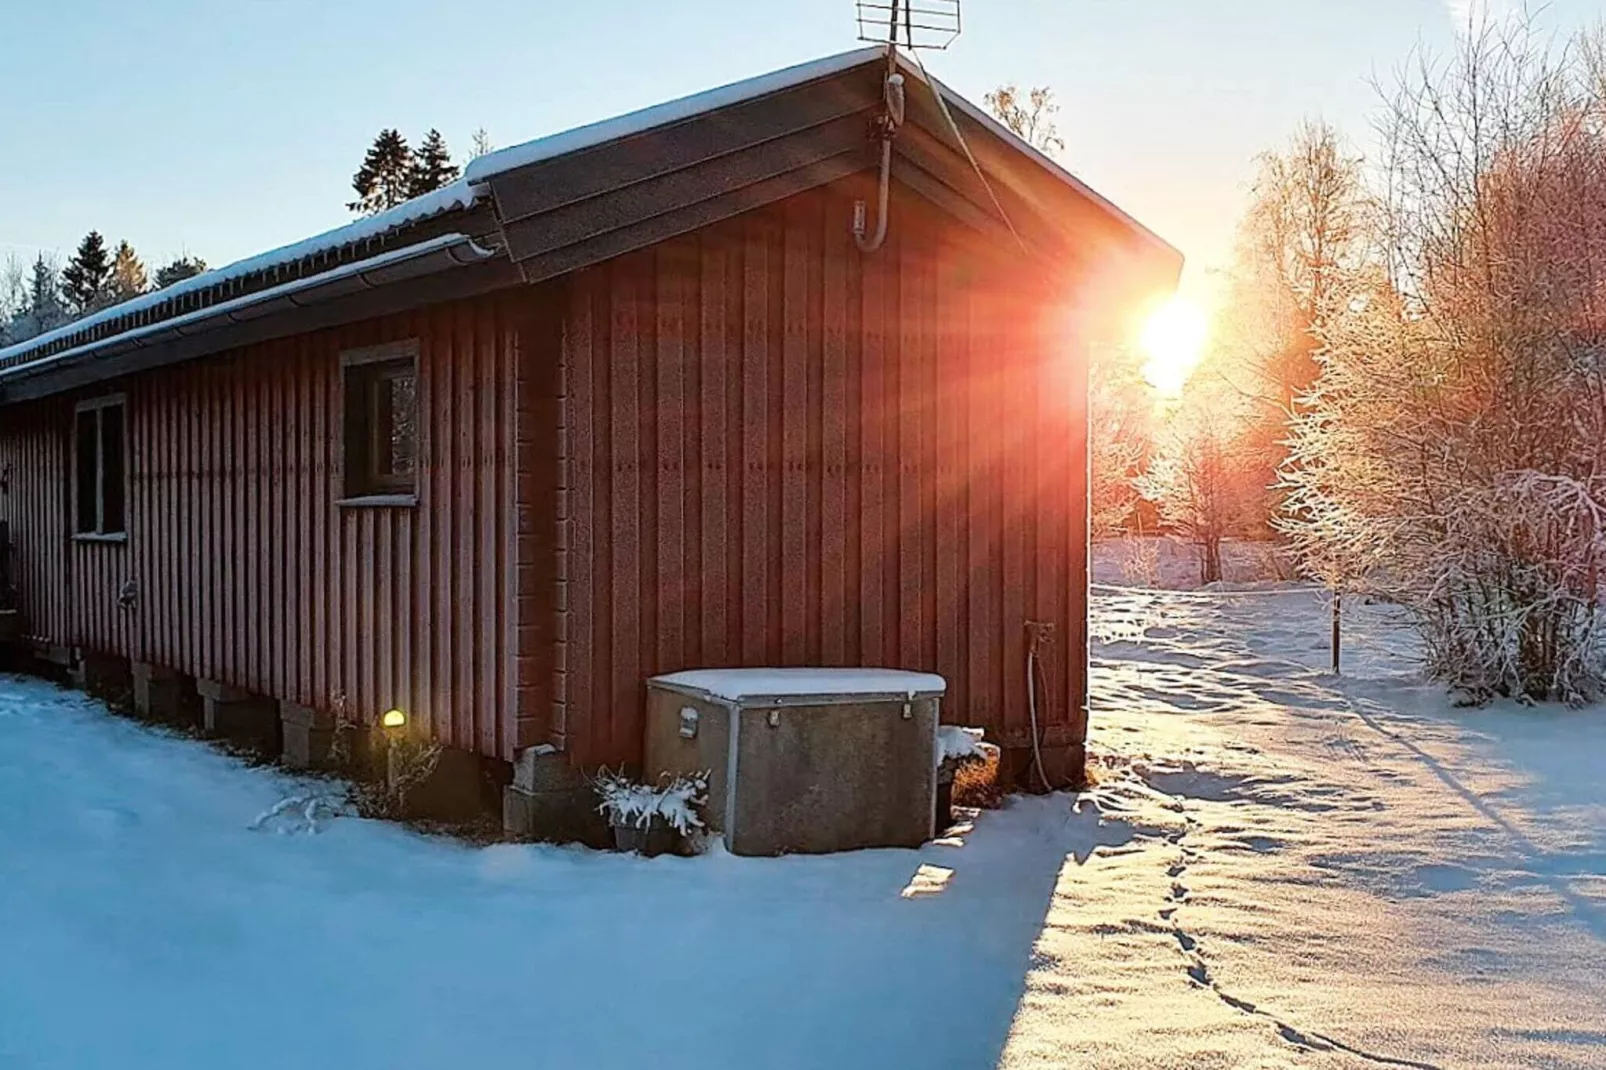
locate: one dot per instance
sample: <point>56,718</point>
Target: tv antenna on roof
<point>909,24</point>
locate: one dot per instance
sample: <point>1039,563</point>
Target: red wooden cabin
<point>621,401</point>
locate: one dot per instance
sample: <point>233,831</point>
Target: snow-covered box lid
<point>790,683</point>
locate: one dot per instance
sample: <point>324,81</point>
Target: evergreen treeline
<point>43,295</point>
<point>393,172</point>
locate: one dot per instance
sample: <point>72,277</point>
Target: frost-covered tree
<point>1303,246</point>
<point>385,178</point>
<point>1448,454</point>
<point>13,297</point>
<point>1199,476</point>
<point>128,275</point>
<point>181,268</point>
<point>1120,408</point>
<point>1303,243</point>
<point>84,279</point>
<point>1029,117</point>
<point>432,165</point>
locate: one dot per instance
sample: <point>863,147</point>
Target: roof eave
<point>274,312</point>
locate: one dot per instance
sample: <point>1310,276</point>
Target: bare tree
<point>1031,118</point>
<point>1301,244</point>
<point>1449,451</point>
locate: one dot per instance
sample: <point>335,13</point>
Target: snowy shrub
<point>973,763</point>
<point>676,802</point>
<point>1448,455</point>
<point>1140,562</point>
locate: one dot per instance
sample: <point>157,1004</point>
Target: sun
<point>1173,339</point>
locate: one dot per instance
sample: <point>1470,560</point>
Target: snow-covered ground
<point>1279,869</point>
<point>1172,563</point>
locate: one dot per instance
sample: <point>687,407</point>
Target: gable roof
<point>557,203</point>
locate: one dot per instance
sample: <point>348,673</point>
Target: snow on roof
<point>776,683</point>
<point>467,189</point>
<point>621,126</point>
<point>223,308</point>
<point>459,194</point>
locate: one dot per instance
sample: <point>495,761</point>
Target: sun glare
<point>1173,339</point>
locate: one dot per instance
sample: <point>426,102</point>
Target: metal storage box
<point>803,760</point>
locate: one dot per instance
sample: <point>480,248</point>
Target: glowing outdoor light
<point>394,719</point>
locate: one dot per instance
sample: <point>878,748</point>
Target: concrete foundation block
<point>540,769</point>
<point>49,660</point>
<point>162,694</point>
<point>563,816</point>
<point>55,654</point>
<point>106,676</point>
<point>552,801</point>
<point>309,736</point>
<point>239,717</point>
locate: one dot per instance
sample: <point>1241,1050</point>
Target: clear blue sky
<point>223,129</point>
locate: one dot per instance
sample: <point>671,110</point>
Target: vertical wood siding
<point>249,573</point>
<point>34,466</point>
<point>751,445</point>
<point>778,451</point>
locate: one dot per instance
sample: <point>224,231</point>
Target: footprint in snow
<point>108,821</point>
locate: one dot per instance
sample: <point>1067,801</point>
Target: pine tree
<point>41,305</point>
<point>184,267</point>
<point>13,297</point>
<point>128,274</point>
<point>386,175</point>
<point>432,166</point>
<point>44,296</point>
<point>84,279</point>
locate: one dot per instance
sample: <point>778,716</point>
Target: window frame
<point>362,371</point>
<point>98,406</point>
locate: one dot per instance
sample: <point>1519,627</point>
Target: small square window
<point>381,424</point>
<point>100,464</point>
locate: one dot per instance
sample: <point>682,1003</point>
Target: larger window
<point>100,466</point>
<point>381,420</point>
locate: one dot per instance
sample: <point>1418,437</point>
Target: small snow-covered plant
<point>676,801</point>
<point>1140,561</point>
<point>299,813</point>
